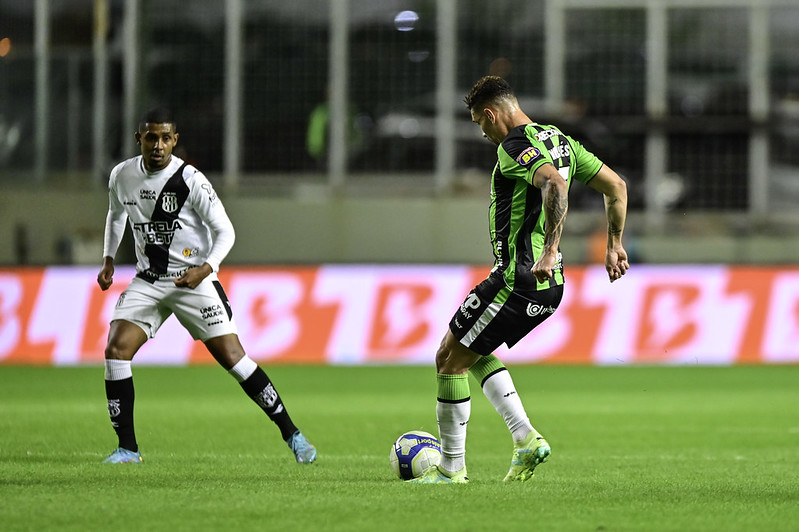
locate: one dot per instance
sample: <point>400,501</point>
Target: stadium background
<point>695,103</point>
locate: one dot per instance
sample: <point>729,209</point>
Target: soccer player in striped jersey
<point>536,166</point>
<point>182,233</point>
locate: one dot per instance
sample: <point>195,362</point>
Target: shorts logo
<point>169,202</point>
<point>529,155</point>
<point>188,252</point>
<point>121,299</point>
<point>212,311</point>
<point>472,302</point>
<point>534,310</point>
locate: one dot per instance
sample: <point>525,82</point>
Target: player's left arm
<point>206,203</point>
<point>614,190</point>
<point>555,203</point>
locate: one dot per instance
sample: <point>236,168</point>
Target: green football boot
<point>527,454</point>
<point>436,475</point>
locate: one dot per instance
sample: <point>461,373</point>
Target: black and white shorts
<point>493,314</point>
<point>204,311</point>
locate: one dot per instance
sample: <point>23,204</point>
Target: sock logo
<point>509,393</point>
<point>267,399</point>
<point>113,407</point>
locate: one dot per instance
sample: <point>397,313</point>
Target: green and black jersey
<point>517,219</point>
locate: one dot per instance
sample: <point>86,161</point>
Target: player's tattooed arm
<point>555,203</point>
<point>614,190</point>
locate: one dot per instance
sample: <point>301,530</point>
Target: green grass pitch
<point>634,449</point>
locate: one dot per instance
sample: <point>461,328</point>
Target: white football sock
<point>243,369</point>
<point>501,392</point>
<point>452,421</point>
<point>117,370</point>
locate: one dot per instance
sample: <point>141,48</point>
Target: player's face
<point>491,127</point>
<point>157,142</point>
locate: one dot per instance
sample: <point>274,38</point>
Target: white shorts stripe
<point>482,322</point>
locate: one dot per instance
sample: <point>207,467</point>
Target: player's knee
<point>116,351</point>
<point>226,350</point>
<point>442,356</point>
<point>453,358</point>
<point>449,361</point>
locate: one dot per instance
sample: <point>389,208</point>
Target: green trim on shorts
<point>485,366</point>
<point>453,387</point>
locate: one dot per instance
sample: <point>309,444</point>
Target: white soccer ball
<point>413,452</point>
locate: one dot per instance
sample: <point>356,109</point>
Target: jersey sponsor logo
<point>145,194</point>
<point>210,191</point>
<point>561,151</point>
<point>169,201</point>
<point>534,310</point>
<point>158,232</point>
<point>541,136</point>
<point>498,254</point>
<point>529,155</point>
<point>129,202</point>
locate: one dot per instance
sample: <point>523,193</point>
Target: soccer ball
<point>413,452</point>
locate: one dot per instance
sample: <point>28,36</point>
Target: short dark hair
<point>488,89</point>
<point>158,115</point>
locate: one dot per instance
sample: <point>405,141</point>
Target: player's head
<point>490,99</point>
<point>157,137</point>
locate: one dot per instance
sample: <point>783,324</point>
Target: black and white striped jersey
<point>175,215</point>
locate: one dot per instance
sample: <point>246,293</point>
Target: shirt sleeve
<point>115,219</point>
<point>210,209</point>
<point>588,165</point>
<point>519,157</point>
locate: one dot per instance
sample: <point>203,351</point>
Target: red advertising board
<point>374,314</point>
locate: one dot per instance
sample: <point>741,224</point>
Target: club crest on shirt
<point>528,156</point>
<point>169,202</point>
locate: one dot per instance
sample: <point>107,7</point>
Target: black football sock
<point>260,389</point>
<point>120,407</point>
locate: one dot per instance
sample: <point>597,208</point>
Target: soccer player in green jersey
<point>536,165</point>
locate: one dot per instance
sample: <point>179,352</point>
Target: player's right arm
<point>614,190</point>
<point>106,276</point>
<point>114,229</point>
<point>555,203</point>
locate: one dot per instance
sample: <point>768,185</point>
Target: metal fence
<point>695,102</point>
